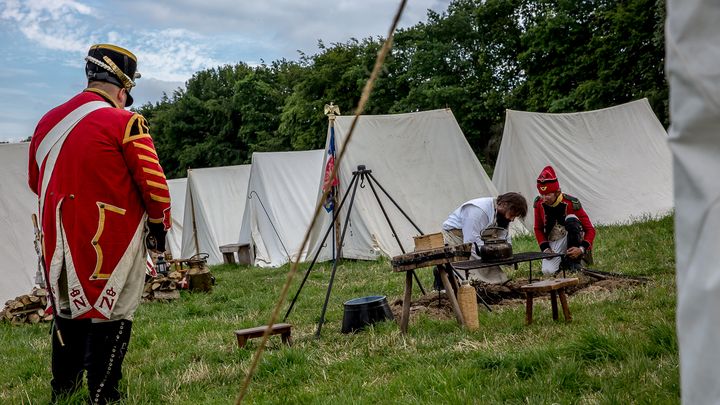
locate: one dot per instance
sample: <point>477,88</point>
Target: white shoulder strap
<point>64,127</point>
<point>50,146</point>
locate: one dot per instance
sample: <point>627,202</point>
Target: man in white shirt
<point>466,223</point>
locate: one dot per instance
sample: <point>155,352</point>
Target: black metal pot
<point>495,246</point>
<point>494,250</point>
<point>360,312</point>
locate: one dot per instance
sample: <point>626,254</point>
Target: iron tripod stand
<point>359,177</point>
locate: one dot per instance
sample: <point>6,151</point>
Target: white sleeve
<point>474,221</point>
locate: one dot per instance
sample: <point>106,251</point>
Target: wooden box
<point>429,241</point>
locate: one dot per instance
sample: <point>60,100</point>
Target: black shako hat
<point>112,64</point>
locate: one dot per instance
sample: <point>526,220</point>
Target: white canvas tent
<point>18,260</point>
<point>423,161</point>
<point>214,205</point>
<point>177,211</point>
<point>281,201</point>
<point>615,160</point>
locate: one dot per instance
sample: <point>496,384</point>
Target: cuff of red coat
<point>166,221</point>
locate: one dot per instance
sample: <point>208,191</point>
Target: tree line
<point>478,58</point>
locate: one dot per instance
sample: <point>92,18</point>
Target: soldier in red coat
<point>103,200</point>
<point>561,224</point>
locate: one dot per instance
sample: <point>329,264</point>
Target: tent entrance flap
<point>359,178</point>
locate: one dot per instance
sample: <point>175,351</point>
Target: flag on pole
<point>329,183</point>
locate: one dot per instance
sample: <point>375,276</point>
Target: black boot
<point>68,359</point>
<point>108,345</point>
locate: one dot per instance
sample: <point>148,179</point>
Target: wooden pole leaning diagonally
<point>364,96</point>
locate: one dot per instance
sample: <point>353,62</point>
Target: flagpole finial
<point>331,110</point>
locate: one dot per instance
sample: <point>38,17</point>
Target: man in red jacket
<point>561,224</point>
<point>103,200</point>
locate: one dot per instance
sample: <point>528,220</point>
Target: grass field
<point>620,347</point>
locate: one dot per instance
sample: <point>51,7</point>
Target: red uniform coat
<point>546,217</point>
<point>97,185</point>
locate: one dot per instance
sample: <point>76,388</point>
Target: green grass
<point>620,347</point>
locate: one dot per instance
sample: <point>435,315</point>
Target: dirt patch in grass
<point>437,306</point>
<point>434,304</point>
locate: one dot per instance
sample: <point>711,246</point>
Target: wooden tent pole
<point>192,210</point>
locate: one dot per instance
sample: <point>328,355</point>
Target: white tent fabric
<point>692,44</point>
<point>177,211</point>
<point>214,205</point>
<point>424,163</point>
<point>615,160</point>
<point>281,201</point>
<point>18,260</point>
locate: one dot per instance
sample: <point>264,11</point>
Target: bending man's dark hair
<point>515,202</point>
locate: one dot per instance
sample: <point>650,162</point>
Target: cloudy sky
<point>43,42</point>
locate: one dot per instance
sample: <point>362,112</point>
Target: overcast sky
<point>43,42</point>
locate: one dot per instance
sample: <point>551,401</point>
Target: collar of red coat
<point>558,201</point>
<point>102,94</point>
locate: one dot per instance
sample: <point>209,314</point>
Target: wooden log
<point>155,286</point>
<point>25,311</point>
<point>200,280</point>
<point>40,292</point>
<point>34,298</point>
<point>33,318</point>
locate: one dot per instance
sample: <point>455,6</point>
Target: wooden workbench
<point>440,257</point>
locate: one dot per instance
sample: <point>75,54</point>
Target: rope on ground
<point>293,269</point>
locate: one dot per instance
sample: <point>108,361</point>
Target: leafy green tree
<point>478,58</point>
<point>584,55</point>
<point>337,75</point>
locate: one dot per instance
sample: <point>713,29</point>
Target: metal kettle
<point>495,246</point>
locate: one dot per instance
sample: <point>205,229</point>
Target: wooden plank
<point>433,257</point>
<point>550,285</point>
<point>282,329</point>
<point>260,330</point>
<point>232,247</point>
<point>428,263</point>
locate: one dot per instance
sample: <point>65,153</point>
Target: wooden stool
<point>282,329</point>
<point>555,287</point>
<point>242,250</point>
